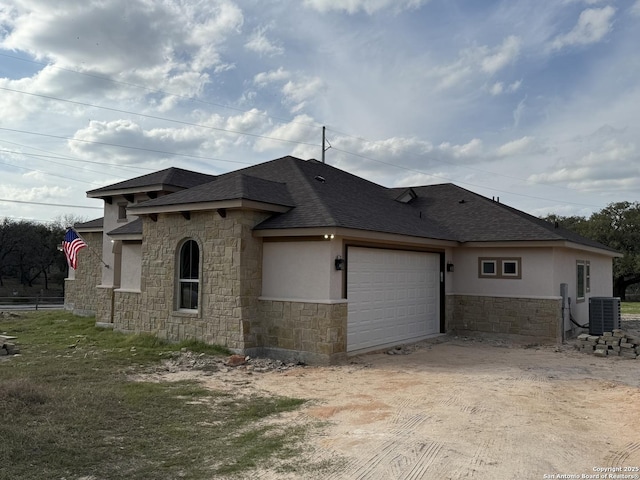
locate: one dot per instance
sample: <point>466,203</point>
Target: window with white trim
<point>488,268</point>
<point>188,275</point>
<point>500,267</point>
<point>587,277</point>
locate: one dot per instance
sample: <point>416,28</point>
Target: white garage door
<point>394,296</point>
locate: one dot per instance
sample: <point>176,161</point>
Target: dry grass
<point>71,411</point>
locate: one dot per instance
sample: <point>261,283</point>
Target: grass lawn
<point>70,410</point>
<point>632,308</point>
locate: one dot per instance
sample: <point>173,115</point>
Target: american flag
<point>71,245</point>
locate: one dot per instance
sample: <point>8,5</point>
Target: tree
<point>617,226</point>
<point>29,251</point>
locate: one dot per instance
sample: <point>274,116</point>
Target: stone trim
<point>304,300</point>
<point>303,331</point>
<point>538,318</point>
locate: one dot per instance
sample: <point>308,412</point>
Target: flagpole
<point>89,247</point>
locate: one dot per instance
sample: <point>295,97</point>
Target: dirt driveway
<point>463,408</point>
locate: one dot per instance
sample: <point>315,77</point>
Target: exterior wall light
<point>328,236</point>
<point>339,262</point>
<point>449,267</point>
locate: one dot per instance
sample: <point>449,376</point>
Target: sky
<point>536,102</point>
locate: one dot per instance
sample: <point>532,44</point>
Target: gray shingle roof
<point>170,177</point>
<point>130,228</point>
<point>96,223</point>
<point>324,196</point>
<point>231,186</point>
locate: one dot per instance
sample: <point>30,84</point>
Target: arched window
<point>189,275</point>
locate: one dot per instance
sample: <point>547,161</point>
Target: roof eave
<point>126,236</point>
<point>216,205</point>
<point>354,234</point>
<point>542,243</point>
<point>89,229</point>
<point>102,193</point>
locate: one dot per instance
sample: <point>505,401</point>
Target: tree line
<point>30,254</point>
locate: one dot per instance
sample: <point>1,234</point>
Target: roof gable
<point>310,194</point>
<point>167,179</point>
<point>232,186</point>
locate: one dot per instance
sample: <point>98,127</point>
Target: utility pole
<point>324,142</point>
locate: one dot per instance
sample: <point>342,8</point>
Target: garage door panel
<point>393,296</point>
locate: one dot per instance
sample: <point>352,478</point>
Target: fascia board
<point>200,206</point>
<point>354,234</point>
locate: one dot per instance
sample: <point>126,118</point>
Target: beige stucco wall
<point>536,267</point>
<point>110,276</point>
<point>475,303</point>
<point>131,266</point>
<point>302,270</point>
<point>80,285</point>
<point>565,261</point>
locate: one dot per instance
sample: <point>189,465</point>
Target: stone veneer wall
<point>533,317</point>
<point>303,331</point>
<point>80,292</point>
<point>127,312</point>
<point>231,280</point>
<point>104,305</point>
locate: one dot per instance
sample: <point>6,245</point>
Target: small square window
<point>500,267</point>
<point>510,268</point>
<point>488,267</point>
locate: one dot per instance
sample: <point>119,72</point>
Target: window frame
<point>581,281</point>
<point>122,212</point>
<point>488,261</point>
<point>187,277</point>
<point>499,267</point>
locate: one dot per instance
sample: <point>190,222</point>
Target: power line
<point>152,90</point>
<point>463,182</point>
<point>71,159</point>
<point>123,146</point>
<point>49,204</point>
<point>50,161</point>
<point>155,117</point>
<point>487,172</point>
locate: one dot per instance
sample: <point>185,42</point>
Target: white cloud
<point>520,146</point>
<point>478,60</point>
<point>368,6</point>
<point>501,56</point>
<point>635,8</point>
<point>497,88</point>
<point>515,86</point>
<point>300,129</point>
<point>518,112</point>
<point>161,45</point>
<point>593,25</point>
<point>265,78</point>
<point>259,43</point>
<point>35,194</point>
<point>108,137</point>
<point>613,166</point>
<point>468,150</point>
<point>298,92</point>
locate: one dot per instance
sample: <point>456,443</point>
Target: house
<point>303,261</point>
